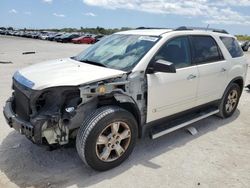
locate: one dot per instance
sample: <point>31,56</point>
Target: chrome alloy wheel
<point>113,141</point>
<point>232,100</point>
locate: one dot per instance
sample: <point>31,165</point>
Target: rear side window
<point>205,50</point>
<point>232,46</point>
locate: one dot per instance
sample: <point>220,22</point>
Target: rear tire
<point>107,138</point>
<point>229,101</point>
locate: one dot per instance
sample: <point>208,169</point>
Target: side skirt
<point>156,133</point>
<point>174,122</point>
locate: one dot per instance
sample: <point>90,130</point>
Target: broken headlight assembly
<point>53,110</point>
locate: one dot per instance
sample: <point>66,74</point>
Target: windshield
<point>118,51</point>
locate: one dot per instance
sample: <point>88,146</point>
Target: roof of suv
<point>159,32</point>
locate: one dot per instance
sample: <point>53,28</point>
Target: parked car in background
<point>2,32</point>
<point>35,35</point>
<point>53,36</point>
<point>56,38</point>
<point>67,37</point>
<point>98,37</point>
<point>20,33</point>
<point>43,34</point>
<point>84,40</point>
<point>245,46</point>
<point>26,34</point>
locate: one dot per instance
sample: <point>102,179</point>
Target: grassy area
<point>243,37</point>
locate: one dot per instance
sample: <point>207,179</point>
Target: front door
<point>170,93</point>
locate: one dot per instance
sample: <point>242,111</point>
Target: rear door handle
<point>191,77</point>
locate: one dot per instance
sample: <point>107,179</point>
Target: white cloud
<point>209,11</point>
<point>228,17</point>
<point>239,3</point>
<point>59,15</point>
<point>47,1</point>
<point>90,14</point>
<point>13,11</point>
<point>181,7</point>
<point>27,12</point>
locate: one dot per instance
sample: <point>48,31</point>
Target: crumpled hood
<point>63,72</point>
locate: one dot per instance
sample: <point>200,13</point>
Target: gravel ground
<point>218,156</point>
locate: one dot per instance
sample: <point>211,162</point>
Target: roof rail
<point>151,28</point>
<point>183,28</point>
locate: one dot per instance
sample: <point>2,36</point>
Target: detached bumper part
<point>25,128</point>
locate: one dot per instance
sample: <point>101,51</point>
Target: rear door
<point>212,68</point>
<point>170,93</point>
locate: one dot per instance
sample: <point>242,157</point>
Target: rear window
<point>205,50</point>
<point>232,46</point>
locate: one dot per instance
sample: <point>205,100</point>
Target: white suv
<point>157,80</point>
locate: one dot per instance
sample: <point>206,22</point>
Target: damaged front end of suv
<point>52,116</point>
<point>51,100</point>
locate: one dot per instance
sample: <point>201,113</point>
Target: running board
<point>168,129</point>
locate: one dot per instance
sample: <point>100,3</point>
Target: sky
<point>232,15</point>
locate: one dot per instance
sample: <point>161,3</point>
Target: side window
<point>232,46</point>
<point>205,50</point>
<point>176,51</point>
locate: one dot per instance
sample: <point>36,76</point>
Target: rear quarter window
<point>232,46</point>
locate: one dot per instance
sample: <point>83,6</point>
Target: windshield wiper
<point>93,62</point>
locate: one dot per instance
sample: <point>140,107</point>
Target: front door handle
<point>223,70</point>
<point>191,77</point>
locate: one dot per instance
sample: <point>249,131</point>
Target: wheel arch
<point>126,102</point>
<point>239,81</point>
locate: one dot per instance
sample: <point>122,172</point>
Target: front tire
<point>107,138</point>
<point>230,101</point>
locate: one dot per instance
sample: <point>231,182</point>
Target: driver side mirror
<point>162,66</point>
